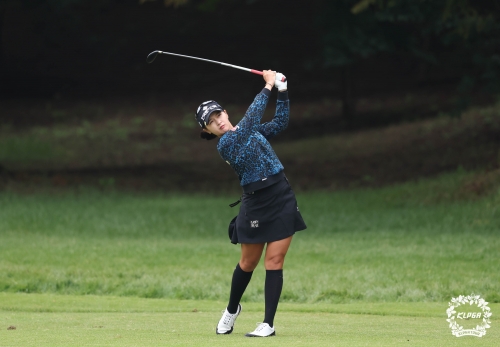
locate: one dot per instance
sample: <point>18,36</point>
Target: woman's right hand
<point>270,77</point>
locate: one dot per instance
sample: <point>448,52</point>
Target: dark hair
<point>207,136</point>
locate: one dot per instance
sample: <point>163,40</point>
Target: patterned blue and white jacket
<point>247,149</point>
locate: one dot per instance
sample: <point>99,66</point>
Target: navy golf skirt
<point>266,215</point>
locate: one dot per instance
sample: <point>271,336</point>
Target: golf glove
<point>279,82</point>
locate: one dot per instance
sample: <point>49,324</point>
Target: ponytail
<point>207,136</point>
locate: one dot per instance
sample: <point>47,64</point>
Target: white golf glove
<point>282,86</point>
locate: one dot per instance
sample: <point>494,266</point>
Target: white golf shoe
<point>226,322</point>
<point>263,330</point>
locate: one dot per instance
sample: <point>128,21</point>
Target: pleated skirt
<point>267,215</point>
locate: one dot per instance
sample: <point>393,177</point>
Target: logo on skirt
<point>254,223</point>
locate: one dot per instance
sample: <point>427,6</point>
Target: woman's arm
<point>253,116</point>
<point>280,120</point>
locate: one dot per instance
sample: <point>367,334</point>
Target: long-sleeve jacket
<point>247,148</point>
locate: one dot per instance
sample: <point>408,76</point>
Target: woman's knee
<point>275,254</point>
<point>274,262</point>
<point>248,264</point>
<point>250,256</point>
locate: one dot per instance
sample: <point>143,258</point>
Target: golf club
<point>152,56</point>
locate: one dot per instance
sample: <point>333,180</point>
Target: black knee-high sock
<point>273,287</point>
<point>238,286</point>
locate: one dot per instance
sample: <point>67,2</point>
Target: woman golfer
<point>269,213</point>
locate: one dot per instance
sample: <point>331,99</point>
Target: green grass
<point>376,267</point>
<point>18,149</point>
<point>406,243</point>
<point>55,320</point>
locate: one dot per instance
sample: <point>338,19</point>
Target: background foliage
<point>342,48</point>
<point>77,94</point>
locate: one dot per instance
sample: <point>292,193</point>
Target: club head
<point>152,56</point>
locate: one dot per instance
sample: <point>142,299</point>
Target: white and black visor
<point>205,110</point>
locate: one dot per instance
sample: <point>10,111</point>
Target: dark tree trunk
<point>347,92</point>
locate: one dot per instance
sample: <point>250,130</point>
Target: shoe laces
<point>260,326</point>
<point>227,316</point>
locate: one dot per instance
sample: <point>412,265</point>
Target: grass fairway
<point>64,320</point>
<point>376,267</point>
<point>408,243</point>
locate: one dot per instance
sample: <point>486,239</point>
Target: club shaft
<point>257,72</point>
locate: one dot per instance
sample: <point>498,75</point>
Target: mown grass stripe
<point>110,304</point>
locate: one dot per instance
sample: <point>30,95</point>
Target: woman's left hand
<point>269,76</point>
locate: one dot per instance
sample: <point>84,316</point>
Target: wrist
<point>283,95</point>
<point>269,86</point>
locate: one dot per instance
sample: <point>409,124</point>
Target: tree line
<point>318,37</point>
